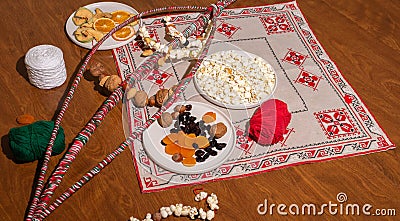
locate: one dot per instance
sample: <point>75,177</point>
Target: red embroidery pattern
<point>276,24</point>
<point>243,142</point>
<point>158,77</point>
<point>336,123</point>
<point>308,79</point>
<point>295,58</point>
<point>227,29</point>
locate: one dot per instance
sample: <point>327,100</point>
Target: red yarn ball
<point>269,122</point>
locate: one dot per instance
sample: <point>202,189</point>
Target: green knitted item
<point>28,143</point>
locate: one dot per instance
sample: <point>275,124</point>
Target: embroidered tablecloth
<point>329,120</point>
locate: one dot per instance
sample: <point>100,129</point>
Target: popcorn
<point>133,219</point>
<point>210,214</point>
<point>193,213</point>
<point>226,75</point>
<point>202,214</point>
<point>200,196</point>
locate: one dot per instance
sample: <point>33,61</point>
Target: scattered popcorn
<point>200,196</point>
<point>193,213</point>
<point>232,78</point>
<point>185,210</point>
<point>133,219</point>
<point>164,213</point>
<point>202,214</point>
<point>210,214</point>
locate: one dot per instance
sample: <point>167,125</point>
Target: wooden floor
<point>362,37</point>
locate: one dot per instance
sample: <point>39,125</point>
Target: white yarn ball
<point>45,66</point>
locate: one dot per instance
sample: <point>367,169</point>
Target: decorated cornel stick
<point>40,206</point>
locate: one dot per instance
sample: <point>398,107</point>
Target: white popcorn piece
<point>185,210</point>
<point>200,196</point>
<point>193,213</point>
<point>133,219</point>
<point>210,214</point>
<point>168,210</point>
<point>163,212</point>
<point>202,214</point>
<point>173,208</point>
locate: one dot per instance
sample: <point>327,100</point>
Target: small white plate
<point>232,106</point>
<point>155,150</point>
<point>108,44</point>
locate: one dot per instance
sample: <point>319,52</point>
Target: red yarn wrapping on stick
<point>269,122</point>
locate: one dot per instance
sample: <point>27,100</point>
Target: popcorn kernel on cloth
<point>269,122</point>
<point>28,143</point>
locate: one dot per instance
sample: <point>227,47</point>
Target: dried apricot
<point>186,152</point>
<point>172,149</point>
<point>189,161</point>
<point>25,119</point>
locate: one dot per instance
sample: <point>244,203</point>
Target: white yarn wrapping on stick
<point>45,66</point>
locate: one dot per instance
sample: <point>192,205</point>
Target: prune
<point>213,153</point>
<point>188,107</point>
<point>199,153</point>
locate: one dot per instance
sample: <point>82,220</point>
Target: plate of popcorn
<point>235,79</point>
<point>190,138</point>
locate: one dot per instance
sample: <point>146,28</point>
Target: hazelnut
<point>140,99</point>
<point>113,82</point>
<point>218,130</point>
<point>177,157</point>
<point>131,93</point>
<point>103,79</point>
<point>96,69</point>
<point>152,101</point>
<point>165,120</point>
<point>180,108</point>
<point>161,97</point>
<point>157,216</point>
<point>175,115</point>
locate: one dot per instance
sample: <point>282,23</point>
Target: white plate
<point>155,150</point>
<point>110,43</point>
<point>232,106</point>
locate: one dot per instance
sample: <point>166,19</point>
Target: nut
<point>96,69</point>
<point>161,97</point>
<point>218,130</point>
<point>140,99</point>
<point>177,157</point>
<point>113,82</point>
<point>175,115</point>
<point>152,101</point>
<point>103,79</point>
<point>25,119</point>
<point>131,93</point>
<point>165,120</point>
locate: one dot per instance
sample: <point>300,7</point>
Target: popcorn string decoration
<point>179,209</point>
<point>40,206</point>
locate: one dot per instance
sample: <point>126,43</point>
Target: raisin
<point>199,153</point>
<point>188,107</point>
<point>213,153</point>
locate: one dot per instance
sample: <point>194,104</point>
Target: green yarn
<point>28,143</point>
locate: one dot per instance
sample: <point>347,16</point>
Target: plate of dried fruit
<point>89,23</point>
<point>199,139</point>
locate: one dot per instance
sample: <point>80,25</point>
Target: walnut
<point>96,69</point>
<point>140,99</point>
<point>161,97</point>
<point>113,82</point>
<point>165,120</point>
<point>218,130</point>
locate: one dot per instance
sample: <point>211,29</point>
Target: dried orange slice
<point>104,25</point>
<point>120,16</point>
<point>189,161</point>
<point>124,33</point>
